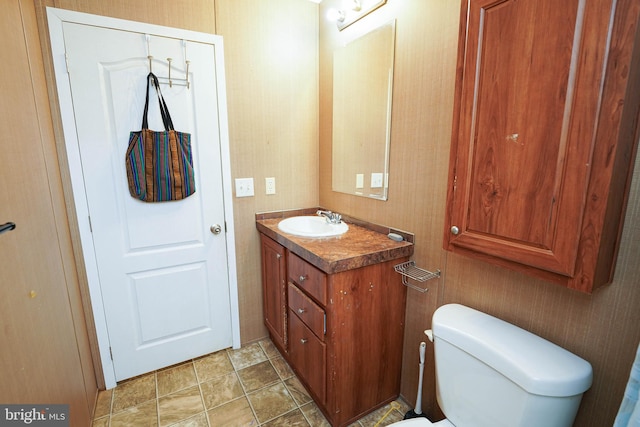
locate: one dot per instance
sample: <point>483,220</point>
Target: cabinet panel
<point>274,291</point>
<point>533,82</point>
<point>512,169</point>
<point>513,184</point>
<point>308,356</point>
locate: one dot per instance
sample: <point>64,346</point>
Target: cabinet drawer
<point>308,311</point>
<point>308,277</point>
<point>308,356</point>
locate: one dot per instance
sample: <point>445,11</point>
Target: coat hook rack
<point>169,80</point>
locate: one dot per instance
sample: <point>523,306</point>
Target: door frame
<point>56,18</point>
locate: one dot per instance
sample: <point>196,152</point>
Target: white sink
<point>312,226</point>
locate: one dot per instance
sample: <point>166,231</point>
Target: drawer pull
<point>303,340</point>
<point>303,278</point>
<point>301,310</point>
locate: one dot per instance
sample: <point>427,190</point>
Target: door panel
<point>163,275</point>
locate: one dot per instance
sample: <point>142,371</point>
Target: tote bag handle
<point>164,110</point>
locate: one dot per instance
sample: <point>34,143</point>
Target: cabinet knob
<point>303,340</point>
<point>278,256</point>
<point>303,278</point>
<point>455,230</point>
<point>301,310</point>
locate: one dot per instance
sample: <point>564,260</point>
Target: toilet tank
<point>490,373</point>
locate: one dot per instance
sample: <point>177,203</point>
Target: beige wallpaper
<point>278,66</point>
<point>272,72</point>
<point>193,15</point>
<point>602,328</point>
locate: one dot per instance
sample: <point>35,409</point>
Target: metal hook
<point>186,61</point>
<point>149,57</point>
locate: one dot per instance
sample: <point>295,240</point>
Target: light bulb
<point>334,15</point>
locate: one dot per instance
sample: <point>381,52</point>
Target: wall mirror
<point>362,95</point>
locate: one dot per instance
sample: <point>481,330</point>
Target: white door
<point>163,268</point>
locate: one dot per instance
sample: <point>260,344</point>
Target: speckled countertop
<point>363,244</point>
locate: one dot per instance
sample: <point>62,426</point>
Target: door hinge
<point>66,61</point>
<point>90,226</point>
<point>111,353</point>
<point>225,227</point>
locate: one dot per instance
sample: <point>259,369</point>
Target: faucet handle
<point>332,217</point>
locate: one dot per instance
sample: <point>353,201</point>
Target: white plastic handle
<point>429,334</point>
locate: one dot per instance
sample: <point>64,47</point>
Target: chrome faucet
<point>332,217</point>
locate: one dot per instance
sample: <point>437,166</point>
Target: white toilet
<point>490,373</point>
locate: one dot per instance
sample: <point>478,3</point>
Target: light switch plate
<point>244,187</point>
<point>359,180</point>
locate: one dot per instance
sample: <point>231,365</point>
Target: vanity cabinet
<point>344,330</point>
<point>544,135</point>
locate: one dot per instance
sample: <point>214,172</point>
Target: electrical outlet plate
<point>270,185</point>
<point>244,187</point>
<point>376,180</point>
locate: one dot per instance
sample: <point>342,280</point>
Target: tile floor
<point>252,386</point>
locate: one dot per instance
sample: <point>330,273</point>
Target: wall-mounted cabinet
<point>545,129</point>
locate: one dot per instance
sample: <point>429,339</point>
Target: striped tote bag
<point>159,163</point>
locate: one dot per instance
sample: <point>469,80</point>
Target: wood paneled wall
<point>46,354</point>
<point>602,328</point>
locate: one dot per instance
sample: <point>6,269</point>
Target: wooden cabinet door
<point>274,273</point>
<point>526,106</point>
<point>308,357</point>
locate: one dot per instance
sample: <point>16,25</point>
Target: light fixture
<point>353,5</point>
<point>352,10</point>
<point>336,15</point>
